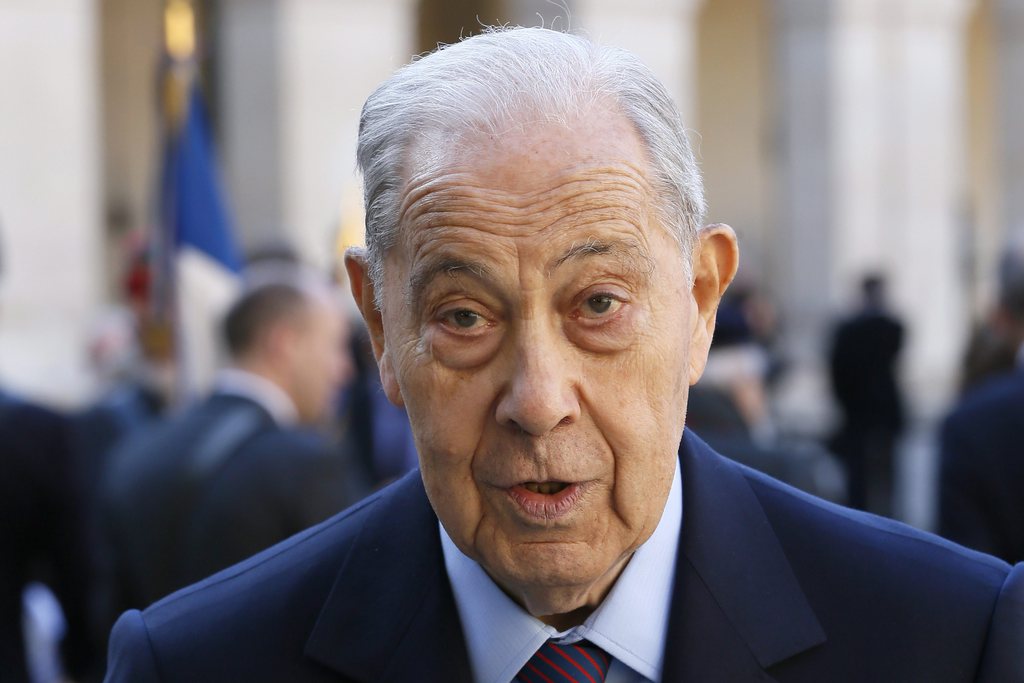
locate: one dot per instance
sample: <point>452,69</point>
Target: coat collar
<point>736,603</point>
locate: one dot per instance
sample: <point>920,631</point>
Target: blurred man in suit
<point>541,292</point>
<point>43,538</point>
<point>862,361</point>
<point>42,533</point>
<point>981,484</point>
<point>238,471</point>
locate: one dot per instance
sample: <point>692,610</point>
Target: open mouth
<point>546,500</point>
<point>545,487</point>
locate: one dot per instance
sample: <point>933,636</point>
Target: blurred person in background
<point>43,538</point>
<point>862,366</point>
<point>131,393</point>
<point>991,351</point>
<point>132,357</point>
<point>981,481</point>
<point>728,407</point>
<point>42,534</point>
<point>375,434</point>
<point>730,397</point>
<point>241,469</point>
<point>378,430</point>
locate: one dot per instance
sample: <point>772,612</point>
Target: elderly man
<point>540,298</point>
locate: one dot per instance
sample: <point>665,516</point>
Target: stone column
<point>872,133</point>
<point>1009,30</point>
<point>294,75</point>
<point>802,272</point>
<point>50,170</point>
<point>662,33</point>
<point>925,192</point>
<point>132,38</point>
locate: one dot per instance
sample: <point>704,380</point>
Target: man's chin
<point>549,579</point>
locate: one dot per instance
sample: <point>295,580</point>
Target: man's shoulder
<point>261,609</point>
<point>817,536</point>
<point>862,593</point>
<point>26,423</point>
<point>828,543</point>
<point>893,600</point>
<point>999,393</point>
<point>214,420</point>
<point>289,442</point>
<point>989,411</point>
<point>259,619</point>
<point>300,465</point>
<point>788,504</point>
<point>299,563</point>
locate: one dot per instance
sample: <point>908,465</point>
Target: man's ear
<point>364,292</point>
<point>714,266</point>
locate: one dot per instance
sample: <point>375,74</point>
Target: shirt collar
<point>261,390</point>
<point>630,624</point>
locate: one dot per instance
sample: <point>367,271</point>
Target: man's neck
<point>241,380</point>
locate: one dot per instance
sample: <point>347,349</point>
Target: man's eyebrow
<point>629,252</point>
<point>426,270</point>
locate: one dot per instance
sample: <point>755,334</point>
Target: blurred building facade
<point>836,136</point>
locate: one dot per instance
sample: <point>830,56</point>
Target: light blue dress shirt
<point>630,624</point>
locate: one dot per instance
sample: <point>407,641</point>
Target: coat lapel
<point>737,608</point>
<point>391,615</point>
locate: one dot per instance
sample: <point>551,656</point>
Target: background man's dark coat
<point>43,535</point>
<point>209,488</point>
<point>981,500</point>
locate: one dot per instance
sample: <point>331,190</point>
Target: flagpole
<point>196,254</point>
<point>177,71</point>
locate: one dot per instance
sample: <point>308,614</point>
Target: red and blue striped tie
<point>580,662</point>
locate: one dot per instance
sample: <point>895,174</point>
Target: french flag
<point>201,258</point>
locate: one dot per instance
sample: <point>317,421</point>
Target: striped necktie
<point>580,662</point>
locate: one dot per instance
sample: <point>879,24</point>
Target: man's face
<point>538,326</point>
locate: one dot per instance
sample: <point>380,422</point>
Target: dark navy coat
<point>771,585</point>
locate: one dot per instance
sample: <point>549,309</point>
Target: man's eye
<point>599,305</point>
<point>464,319</point>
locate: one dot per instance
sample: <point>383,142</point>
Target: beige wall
<point>130,36</point>
<point>733,132</point>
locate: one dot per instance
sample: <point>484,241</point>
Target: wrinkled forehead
<point>535,169</point>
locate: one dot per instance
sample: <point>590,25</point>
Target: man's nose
<point>542,390</point>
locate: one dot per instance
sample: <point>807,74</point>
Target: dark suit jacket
<point>42,534</point>
<point>209,488</point>
<point>981,500</point>
<point>97,429</point>
<point>771,585</point>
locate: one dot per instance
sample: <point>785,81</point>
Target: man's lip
<point>546,506</point>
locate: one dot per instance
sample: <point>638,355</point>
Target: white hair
<point>490,82</point>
